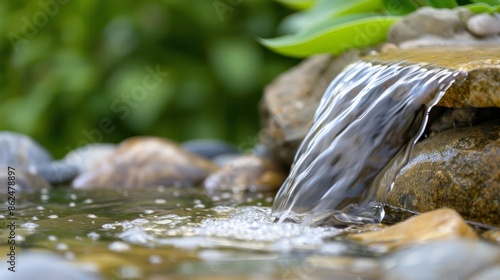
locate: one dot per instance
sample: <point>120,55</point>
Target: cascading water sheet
<point>364,129</point>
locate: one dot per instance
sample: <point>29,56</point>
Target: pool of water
<point>164,233</point>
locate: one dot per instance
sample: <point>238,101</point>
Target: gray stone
<point>451,259</point>
<point>425,21</point>
<point>25,182</point>
<point>484,25</point>
<point>209,148</point>
<point>24,154</point>
<point>85,157</point>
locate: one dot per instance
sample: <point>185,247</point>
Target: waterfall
<point>368,120</point>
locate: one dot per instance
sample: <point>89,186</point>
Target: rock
<point>459,169</point>
<point>481,88</point>
<point>484,25</point>
<point>40,265</point>
<point>141,162</point>
<point>435,225</point>
<point>26,182</point>
<point>343,267</point>
<point>23,153</point>
<point>85,157</point>
<point>490,273</point>
<point>246,173</point>
<point>492,235</point>
<point>445,259</point>
<point>209,148</point>
<point>425,21</point>
<point>290,101</point>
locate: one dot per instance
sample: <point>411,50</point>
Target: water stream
<point>364,129</point>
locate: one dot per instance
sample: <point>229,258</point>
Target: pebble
<point>484,25</point>
<point>439,224</point>
<point>246,173</point>
<point>140,162</point>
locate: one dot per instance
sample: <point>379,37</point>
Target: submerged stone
<point>459,169</point>
<point>147,162</point>
<point>246,173</point>
<point>431,226</point>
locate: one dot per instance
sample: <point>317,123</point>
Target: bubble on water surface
<point>93,235</point>
<point>246,227</point>
<point>118,246</point>
<point>30,225</point>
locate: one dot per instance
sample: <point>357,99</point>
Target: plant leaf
<point>401,7</point>
<point>442,3</point>
<point>298,4</point>
<point>478,8</point>
<point>341,36</point>
<point>489,2</point>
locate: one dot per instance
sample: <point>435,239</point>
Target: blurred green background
<point>67,65</point>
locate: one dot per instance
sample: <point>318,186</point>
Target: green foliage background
<point>62,79</point>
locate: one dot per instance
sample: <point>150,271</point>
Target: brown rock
<point>290,101</point>
<point>480,89</point>
<point>492,235</point>
<point>147,162</point>
<point>459,169</point>
<point>436,225</point>
<point>246,173</point>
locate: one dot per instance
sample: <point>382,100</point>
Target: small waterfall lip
<point>363,132</point>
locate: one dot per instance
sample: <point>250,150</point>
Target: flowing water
<point>364,129</point>
<point>363,132</point>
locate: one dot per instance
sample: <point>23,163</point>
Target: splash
<point>368,120</point>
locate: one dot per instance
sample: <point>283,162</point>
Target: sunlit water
<point>363,132</point>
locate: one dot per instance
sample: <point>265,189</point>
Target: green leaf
<point>478,8</point>
<point>298,4</point>
<point>341,36</point>
<point>401,7</point>
<point>449,4</point>
<point>489,2</point>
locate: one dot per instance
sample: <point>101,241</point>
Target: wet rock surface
<point>459,169</point>
<point>431,226</point>
<point>246,173</point>
<point>289,103</point>
<point>141,162</point>
<point>482,65</point>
